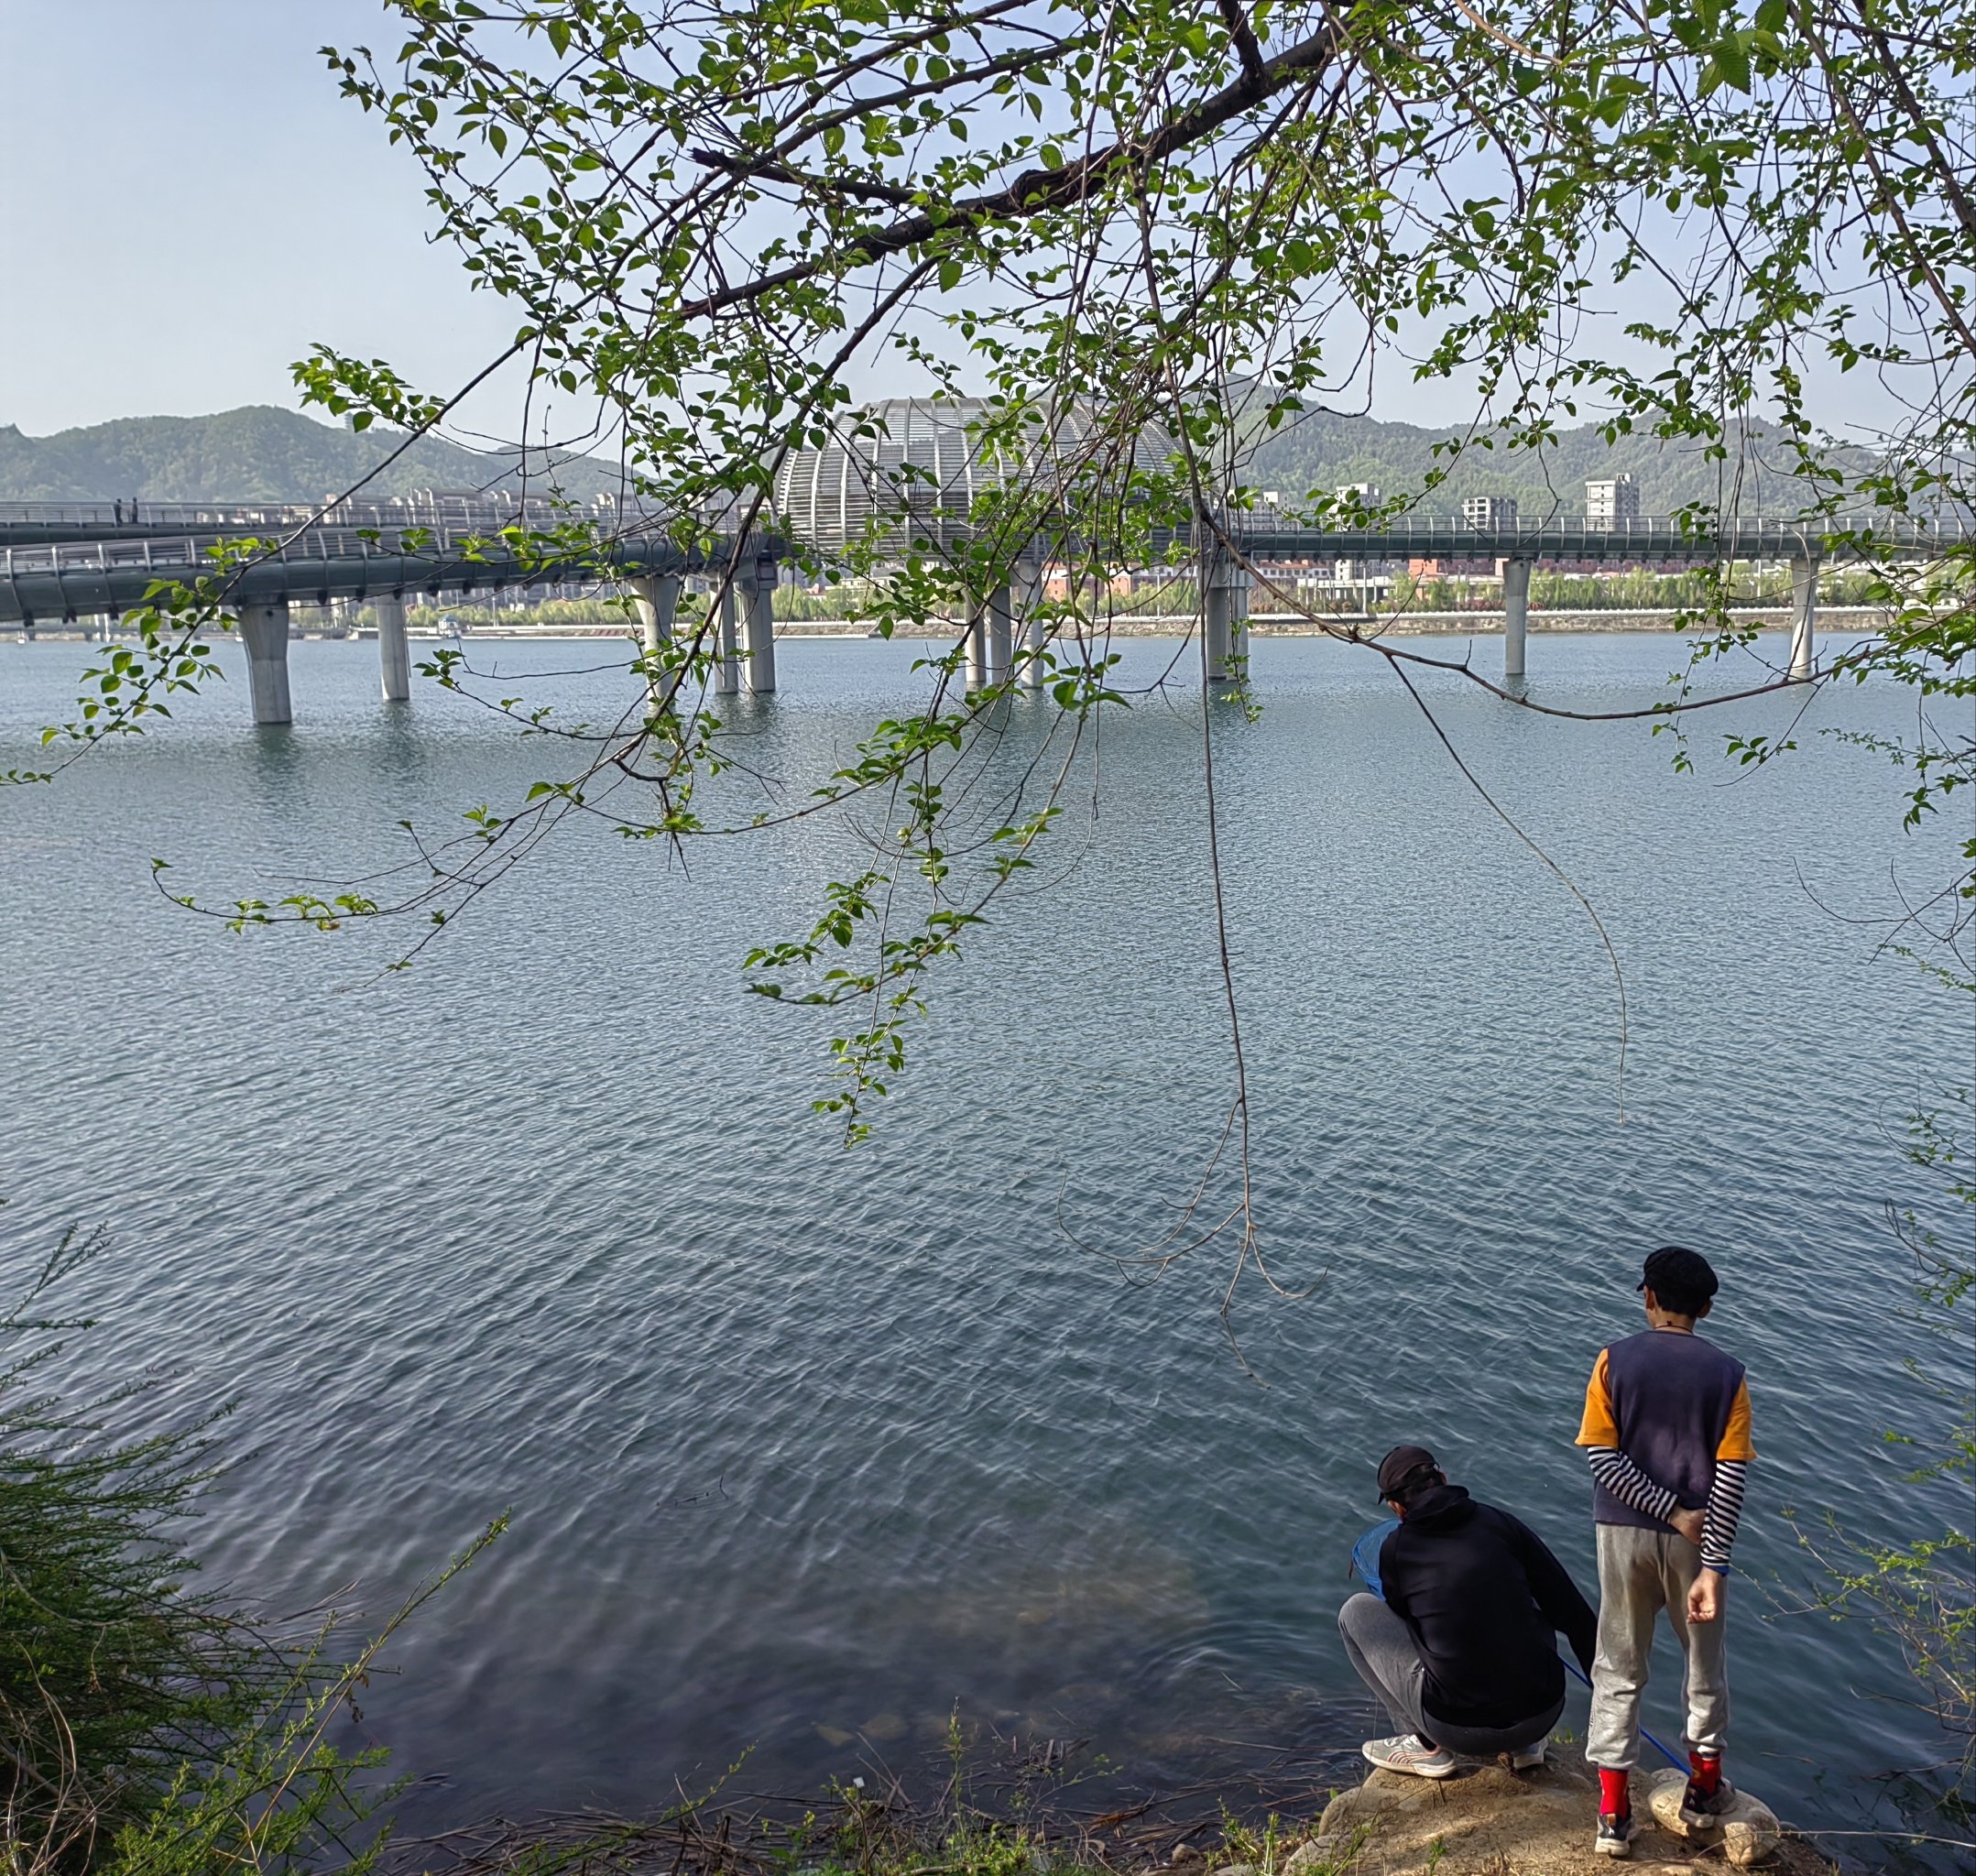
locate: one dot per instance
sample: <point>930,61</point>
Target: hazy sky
<point>186,204</point>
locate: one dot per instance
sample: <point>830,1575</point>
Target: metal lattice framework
<point>910,467</point>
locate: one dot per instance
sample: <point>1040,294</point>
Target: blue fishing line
<point>1365,1560</point>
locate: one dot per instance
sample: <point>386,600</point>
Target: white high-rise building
<point>1489,511</point>
<point>1616,499</point>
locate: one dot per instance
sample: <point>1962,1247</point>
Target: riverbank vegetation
<point>149,1727</point>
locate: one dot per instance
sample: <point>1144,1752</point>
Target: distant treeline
<point>1634,591</point>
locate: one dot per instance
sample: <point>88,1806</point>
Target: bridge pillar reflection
<point>1804,614</point>
<point>1225,584</point>
<point>757,621</point>
<point>264,630</point>
<point>1515,613</point>
<point>394,652</point>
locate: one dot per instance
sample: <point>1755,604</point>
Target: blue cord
<point>1365,1560</point>
<point>1666,1752</point>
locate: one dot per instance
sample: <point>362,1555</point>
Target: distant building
<point>1489,511</point>
<point>1367,494</point>
<point>1616,499</point>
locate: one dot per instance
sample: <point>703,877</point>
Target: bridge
<point>63,561</point>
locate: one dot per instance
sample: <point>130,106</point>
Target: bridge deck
<point>458,548</point>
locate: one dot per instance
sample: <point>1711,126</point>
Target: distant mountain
<point>259,452</point>
<point>1320,452</point>
<point>254,454</point>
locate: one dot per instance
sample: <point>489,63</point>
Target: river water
<point>805,1448</point>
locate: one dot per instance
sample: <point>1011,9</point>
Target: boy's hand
<point>1689,1524</point>
<point>1705,1597</point>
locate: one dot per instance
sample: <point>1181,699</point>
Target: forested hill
<point>254,454</point>
<point>1320,452</point>
<point>259,452</point>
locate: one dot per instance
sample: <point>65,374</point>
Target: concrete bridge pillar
<point>1225,617</point>
<point>1000,648</point>
<point>1804,614</point>
<point>394,652</point>
<point>757,623</point>
<point>1025,608</point>
<point>264,630</point>
<point>727,654</point>
<point>656,597</point>
<point>1515,574</point>
<point>974,647</point>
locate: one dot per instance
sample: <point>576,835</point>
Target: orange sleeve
<point>1736,1443</point>
<point>1597,1428</point>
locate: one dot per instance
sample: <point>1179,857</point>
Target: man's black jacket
<point>1481,1596</point>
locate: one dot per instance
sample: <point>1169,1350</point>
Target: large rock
<point>1748,1830</point>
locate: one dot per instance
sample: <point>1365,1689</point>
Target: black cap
<point>1672,1272</point>
<point>1399,1465</point>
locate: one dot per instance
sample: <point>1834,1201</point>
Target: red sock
<point>1705,1774</point>
<point>1615,1800</point>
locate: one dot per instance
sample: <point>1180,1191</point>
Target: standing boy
<point>1666,1428</point>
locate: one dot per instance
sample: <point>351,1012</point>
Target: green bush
<point>146,1728</point>
<point>112,1669</point>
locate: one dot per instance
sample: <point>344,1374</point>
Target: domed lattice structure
<point>919,461</point>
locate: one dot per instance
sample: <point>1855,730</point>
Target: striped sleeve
<point>1597,1426</point>
<point>1631,1485</point>
<point>1722,1514</point>
<point>1736,1443</point>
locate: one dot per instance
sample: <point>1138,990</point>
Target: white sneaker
<point>1528,1758</point>
<point>1410,1753</point>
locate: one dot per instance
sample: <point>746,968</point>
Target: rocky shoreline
<point>1489,1821</point>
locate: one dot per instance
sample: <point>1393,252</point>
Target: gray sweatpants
<point>1382,1648</point>
<point>1642,1573</point>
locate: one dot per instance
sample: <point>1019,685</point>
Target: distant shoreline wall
<point>1445,625</point>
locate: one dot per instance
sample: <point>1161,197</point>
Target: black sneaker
<point>1617,1830</point>
<point>1700,1808</point>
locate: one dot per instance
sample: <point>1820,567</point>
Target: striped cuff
<point>1724,1510</point>
<point>1631,1485</point>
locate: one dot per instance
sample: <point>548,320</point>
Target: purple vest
<point>1671,1401</point>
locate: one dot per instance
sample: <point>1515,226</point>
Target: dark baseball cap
<point>1399,1465</point>
<point>1671,1271</point>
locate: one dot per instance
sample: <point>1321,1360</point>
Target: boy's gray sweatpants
<point>1639,1574</point>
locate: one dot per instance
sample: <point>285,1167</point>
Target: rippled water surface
<point>806,1447</point>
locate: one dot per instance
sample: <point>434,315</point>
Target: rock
<point>1184,1853</point>
<point>1314,1855</point>
<point>1747,1830</point>
<point>834,1737</point>
<point>1236,1869</point>
<point>884,1727</point>
<point>1751,1833</point>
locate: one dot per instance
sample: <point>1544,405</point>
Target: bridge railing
<point>434,508</point>
<point>175,557</point>
<point>443,541</point>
